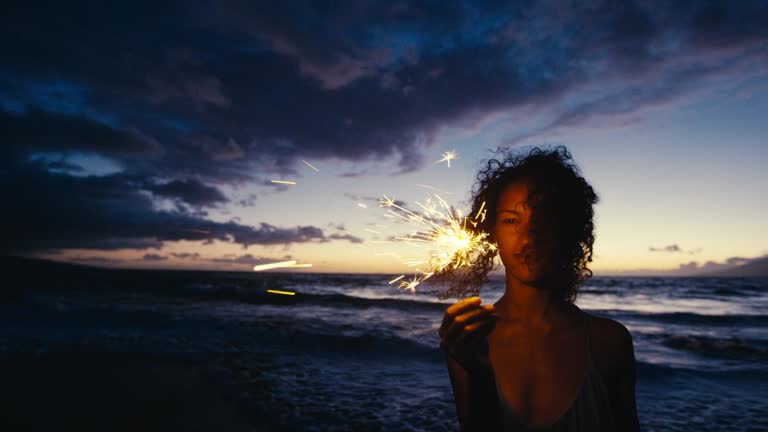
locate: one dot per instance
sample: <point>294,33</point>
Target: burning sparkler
<point>443,231</point>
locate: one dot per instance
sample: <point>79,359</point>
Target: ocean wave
<point>689,318</point>
<point>330,339</point>
<point>732,348</point>
<point>262,296</point>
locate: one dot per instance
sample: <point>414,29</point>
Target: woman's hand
<point>463,332</point>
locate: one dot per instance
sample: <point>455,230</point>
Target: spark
<point>289,264</point>
<point>286,182</point>
<point>372,231</point>
<point>411,285</point>
<point>362,205</point>
<point>310,165</point>
<point>281,292</point>
<point>396,279</point>
<point>442,230</point>
<point>447,157</point>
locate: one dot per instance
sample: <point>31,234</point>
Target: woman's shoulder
<point>612,345</point>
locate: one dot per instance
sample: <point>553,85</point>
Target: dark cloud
<point>693,267</point>
<point>41,131</point>
<point>94,260</point>
<point>264,85</point>
<point>188,98</point>
<point>186,255</point>
<point>248,259</point>
<point>154,257</point>
<point>48,211</point>
<point>190,191</point>
<point>349,237</point>
<point>670,248</point>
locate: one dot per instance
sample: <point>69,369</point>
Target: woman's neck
<point>530,306</point>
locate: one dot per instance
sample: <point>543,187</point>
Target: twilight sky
<point>142,135</point>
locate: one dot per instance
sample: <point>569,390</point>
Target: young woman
<point>534,360</point>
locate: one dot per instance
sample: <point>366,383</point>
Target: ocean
<point>352,353</point>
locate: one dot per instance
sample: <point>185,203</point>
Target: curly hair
<point>561,203</point>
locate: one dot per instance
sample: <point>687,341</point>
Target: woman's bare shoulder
<point>612,344</point>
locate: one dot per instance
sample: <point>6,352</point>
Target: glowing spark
<point>411,284</point>
<point>280,264</point>
<point>448,157</point>
<point>281,292</point>
<point>362,205</point>
<point>371,231</point>
<point>444,232</point>
<point>310,165</point>
<point>396,279</point>
<point>386,202</point>
<point>286,182</point>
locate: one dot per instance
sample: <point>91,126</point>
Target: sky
<point>141,135</point>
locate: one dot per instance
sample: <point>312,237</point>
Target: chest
<point>539,377</point>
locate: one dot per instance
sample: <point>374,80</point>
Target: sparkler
<point>310,165</point>
<point>447,157</point>
<point>289,264</point>
<point>289,293</point>
<point>443,231</point>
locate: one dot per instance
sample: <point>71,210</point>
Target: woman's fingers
<point>462,322</point>
<point>457,308</point>
<point>473,332</point>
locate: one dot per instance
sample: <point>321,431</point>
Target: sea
<point>350,352</point>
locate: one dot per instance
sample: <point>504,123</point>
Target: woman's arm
<point>621,372</point>
<point>474,391</point>
<point>463,333</point>
<point>626,407</point>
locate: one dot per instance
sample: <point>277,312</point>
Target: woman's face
<point>512,232</point>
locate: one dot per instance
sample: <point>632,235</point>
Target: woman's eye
<point>510,221</point>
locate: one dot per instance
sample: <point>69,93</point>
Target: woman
<point>534,360</point>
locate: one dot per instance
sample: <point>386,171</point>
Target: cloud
<point>154,257</point>
<point>190,191</point>
<point>674,248</point>
<point>43,131</point>
<point>670,248</point>
<point>47,211</point>
<point>349,237</point>
<point>693,267</point>
<point>186,255</point>
<point>95,260</point>
<point>258,87</point>
<point>248,259</point>
<point>189,100</point>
